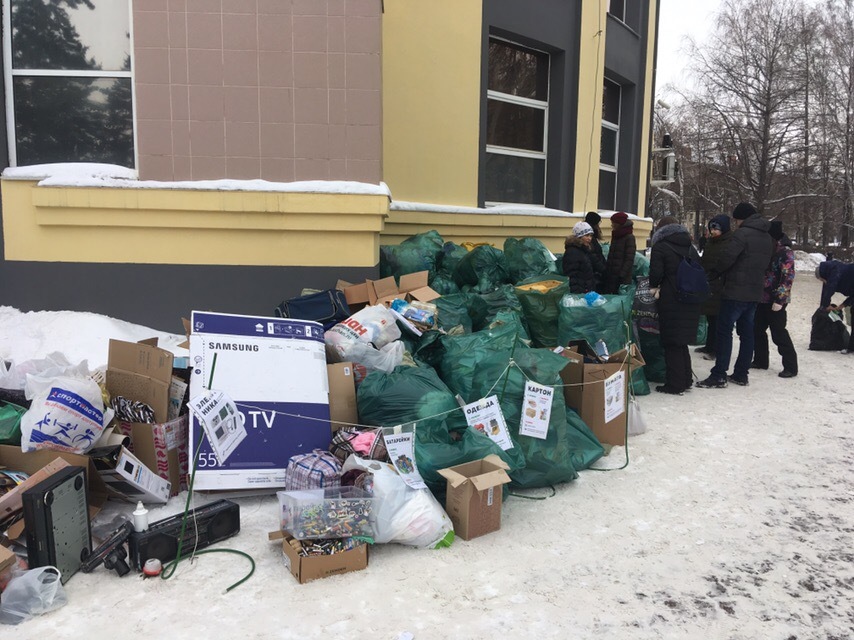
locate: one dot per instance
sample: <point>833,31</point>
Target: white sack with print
<point>372,325</point>
<point>67,414</point>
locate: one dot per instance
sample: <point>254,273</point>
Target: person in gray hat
<point>742,265</point>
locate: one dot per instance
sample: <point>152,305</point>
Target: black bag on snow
<point>328,307</point>
<point>828,333</point>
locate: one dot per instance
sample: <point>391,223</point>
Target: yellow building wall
<point>591,70</point>
<point>431,99</point>
<point>649,96</point>
<point>171,226</point>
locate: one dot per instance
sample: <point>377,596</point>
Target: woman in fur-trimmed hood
<point>677,320</point>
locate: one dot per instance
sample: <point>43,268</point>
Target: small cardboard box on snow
<point>598,391</point>
<point>308,568</point>
<point>474,495</point>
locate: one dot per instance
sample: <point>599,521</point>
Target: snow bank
<point>808,261</point>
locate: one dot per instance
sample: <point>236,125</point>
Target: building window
<point>617,8</point>
<point>68,81</point>
<point>516,124</point>
<point>610,145</point>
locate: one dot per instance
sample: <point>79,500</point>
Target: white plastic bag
<point>637,423</point>
<point>372,325</point>
<point>32,593</point>
<point>402,514</point>
<point>385,359</point>
<point>14,376</point>
<point>66,414</point>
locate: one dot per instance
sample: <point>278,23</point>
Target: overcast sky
<point>678,20</point>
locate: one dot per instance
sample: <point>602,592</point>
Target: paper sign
<point>486,416</point>
<point>615,396</point>
<point>400,443</point>
<point>221,421</point>
<point>536,410</point>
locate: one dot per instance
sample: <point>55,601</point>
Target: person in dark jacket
<point>719,235</point>
<point>597,257</point>
<point>577,264</point>
<point>771,310</point>
<point>837,277</point>
<point>677,320</point>
<point>621,255</point>
<point>742,264</point>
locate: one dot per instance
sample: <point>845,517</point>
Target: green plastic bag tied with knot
<point>569,445</point>
<point>483,269</point>
<point>540,300</point>
<point>417,253</point>
<point>527,258</point>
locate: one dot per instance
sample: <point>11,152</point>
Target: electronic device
<point>56,516</point>
<point>111,552</point>
<point>205,526</point>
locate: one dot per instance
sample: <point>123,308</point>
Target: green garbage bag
<point>483,269</point>
<point>527,258</point>
<point>641,266</point>
<point>466,309</point>
<point>569,444</point>
<point>653,354</point>
<point>448,259</point>
<point>610,322</point>
<point>444,285</point>
<point>640,386</point>
<point>455,357</point>
<point>408,395</point>
<point>502,299</point>
<point>540,297</point>
<point>417,253</point>
<point>10,423</point>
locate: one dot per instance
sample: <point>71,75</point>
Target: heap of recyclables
<point>274,369</point>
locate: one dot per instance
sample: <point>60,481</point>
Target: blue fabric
<point>740,315</point>
<point>839,279</point>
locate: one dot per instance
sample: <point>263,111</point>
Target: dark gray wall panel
<point>158,296</point>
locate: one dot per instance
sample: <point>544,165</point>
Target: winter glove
<point>776,306</point>
<point>655,291</point>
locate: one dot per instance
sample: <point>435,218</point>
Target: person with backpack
<point>677,320</point>
<point>742,265</point>
<point>621,255</point>
<point>577,263</point>
<point>837,277</point>
<point>771,311</point>
<point>719,235</point>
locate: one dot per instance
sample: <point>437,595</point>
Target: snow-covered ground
<point>733,520</point>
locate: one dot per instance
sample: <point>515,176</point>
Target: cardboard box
<point>142,372</point>
<point>274,369</point>
<point>590,392</point>
<point>308,568</point>
<point>11,502</point>
<point>7,558</point>
<point>413,286</point>
<point>475,494</point>
<point>163,448</point>
<point>125,476</point>
<point>342,395</point>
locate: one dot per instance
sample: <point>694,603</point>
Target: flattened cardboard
<point>585,390</point>
<point>474,495</point>
<point>12,501</point>
<point>7,558</point>
<point>140,372</point>
<point>308,568</point>
<point>413,286</point>
<point>31,462</point>
<point>342,394</point>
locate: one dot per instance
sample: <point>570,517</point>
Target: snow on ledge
<point>507,209</point>
<point>81,174</point>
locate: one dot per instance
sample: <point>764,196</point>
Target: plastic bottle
<point>140,518</point>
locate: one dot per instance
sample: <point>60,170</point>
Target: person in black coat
<point>577,263</point>
<point>620,264</point>
<point>677,321</point>
<point>837,277</point>
<point>597,256</point>
<point>742,265</point>
<point>719,236</point>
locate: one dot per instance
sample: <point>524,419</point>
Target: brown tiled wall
<point>276,89</point>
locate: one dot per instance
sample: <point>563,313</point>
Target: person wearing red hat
<point>621,255</point>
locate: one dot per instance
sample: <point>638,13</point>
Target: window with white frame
<point>617,8</point>
<point>516,124</point>
<point>610,145</point>
<point>68,81</point>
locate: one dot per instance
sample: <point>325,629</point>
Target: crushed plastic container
<point>332,512</point>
